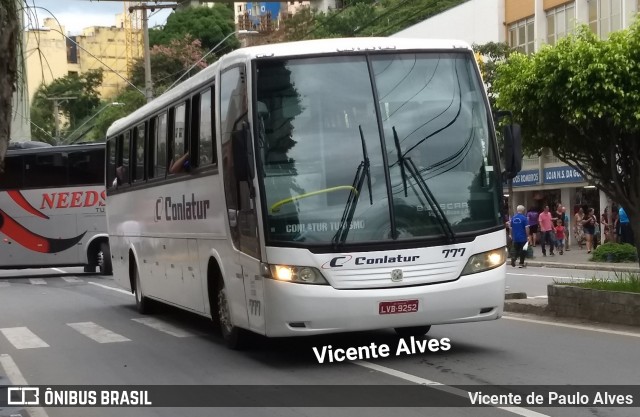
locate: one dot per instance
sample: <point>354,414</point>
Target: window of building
<point>605,16</point>
<point>521,37</point>
<point>560,22</point>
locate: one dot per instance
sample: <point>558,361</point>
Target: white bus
<point>52,207</point>
<point>330,186</point>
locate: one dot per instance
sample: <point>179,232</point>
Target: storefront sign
<point>527,177</point>
<point>563,174</point>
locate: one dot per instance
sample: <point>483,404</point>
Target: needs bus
<point>322,186</point>
<point>52,202</point>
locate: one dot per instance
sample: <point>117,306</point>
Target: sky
<point>76,15</point>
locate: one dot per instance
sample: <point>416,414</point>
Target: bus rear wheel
<point>416,331</point>
<point>234,337</point>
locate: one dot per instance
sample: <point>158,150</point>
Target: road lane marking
<point>14,375</point>
<point>163,327</point>
<point>112,288</point>
<point>23,338</point>
<point>72,280</point>
<point>59,270</point>
<point>572,326</point>
<point>4,284</point>
<point>98,333</point>
<point>37,281</point>
<point>456,391</point>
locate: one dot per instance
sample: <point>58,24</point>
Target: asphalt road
<point>66,329</point>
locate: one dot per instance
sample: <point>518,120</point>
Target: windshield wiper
<point>363,171</point>
<point>408,164</point>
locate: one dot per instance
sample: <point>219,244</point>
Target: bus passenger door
<point>240,194</point>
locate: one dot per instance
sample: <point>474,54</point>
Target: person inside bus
<point>181,164</point>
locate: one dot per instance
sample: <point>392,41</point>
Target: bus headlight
<point>485,261</point>
<point>298,274</point>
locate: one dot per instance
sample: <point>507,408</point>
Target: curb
<point>535,306</point>
<point>590,267</point>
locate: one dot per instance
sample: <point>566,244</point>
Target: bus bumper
<point>300,309</point>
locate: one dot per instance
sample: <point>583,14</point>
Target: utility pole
<point>56,113</point>
<point>148,83</point>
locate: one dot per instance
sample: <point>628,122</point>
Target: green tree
<point>581,98</point>
<point>130,99</point>
<point>490,55</point>
<point>9,42</point>
<point>87,99</point>
<point>209,25</point>
<point>169,62</point>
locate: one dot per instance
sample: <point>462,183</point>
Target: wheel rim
<point>223,311</point>
<point>101,260</point>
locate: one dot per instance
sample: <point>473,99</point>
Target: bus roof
<point>301,48</point>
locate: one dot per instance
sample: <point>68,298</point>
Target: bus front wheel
<point>234,337</point>
<point>104,259</point>
<point>417,331</point>
<point>142,302</point>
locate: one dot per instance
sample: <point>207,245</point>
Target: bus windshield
<point>372,148</point>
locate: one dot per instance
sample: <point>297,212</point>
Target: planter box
<point>596,305</point>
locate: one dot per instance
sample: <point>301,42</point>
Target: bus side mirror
<point>512,150</point>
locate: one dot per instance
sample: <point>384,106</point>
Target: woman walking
<point>589,224</point>
<point>578,227</point>
<point>532,218</point>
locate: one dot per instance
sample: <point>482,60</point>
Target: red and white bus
<point>52,208</point>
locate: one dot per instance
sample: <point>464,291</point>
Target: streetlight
<point>212,50</point>
<point>106,106</point>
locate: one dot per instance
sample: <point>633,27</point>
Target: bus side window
<point>12,177</point>
<point>179,159</point>
<point>207,143</point>
<point>111,162</point>
<point>161,146</point>
<point>138,152</point>
<point>86,167</point>
<point>124,154</point>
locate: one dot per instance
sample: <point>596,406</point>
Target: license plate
<point>397,307</point>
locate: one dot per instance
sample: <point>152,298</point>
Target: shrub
<point>615,252</point>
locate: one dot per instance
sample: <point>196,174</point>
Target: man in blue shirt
<point>626,233</point>
<point>519,236</point>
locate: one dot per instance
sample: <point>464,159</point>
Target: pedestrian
<point>605,225</point>
<point>546,230</point>
<point>578,227</point>
<point>589,228</point>
<point>567,228</point>
<point>532,218</point>
<point>519,236</point>
<point>559,232</point>
<point>626,233</point>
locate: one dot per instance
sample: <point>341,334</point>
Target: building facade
<point>527,25</point>
<point>50,54</point>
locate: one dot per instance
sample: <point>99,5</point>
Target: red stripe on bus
<point>22,235</point>
<point>22,202</point>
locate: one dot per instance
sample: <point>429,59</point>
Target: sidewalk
<point>577,258</point>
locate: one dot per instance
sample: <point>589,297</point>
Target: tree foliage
<point>581,98</point>
<point>130,99</point>
<point>87,99</point>
<point>209,25</point>
<point>490,55</point>
<point>168,63</point>
<point>9,41</point>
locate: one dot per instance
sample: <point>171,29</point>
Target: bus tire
<point>235,338</point>
<point>143,304</point>
<point>416,331</point>
<point>104,259</point>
